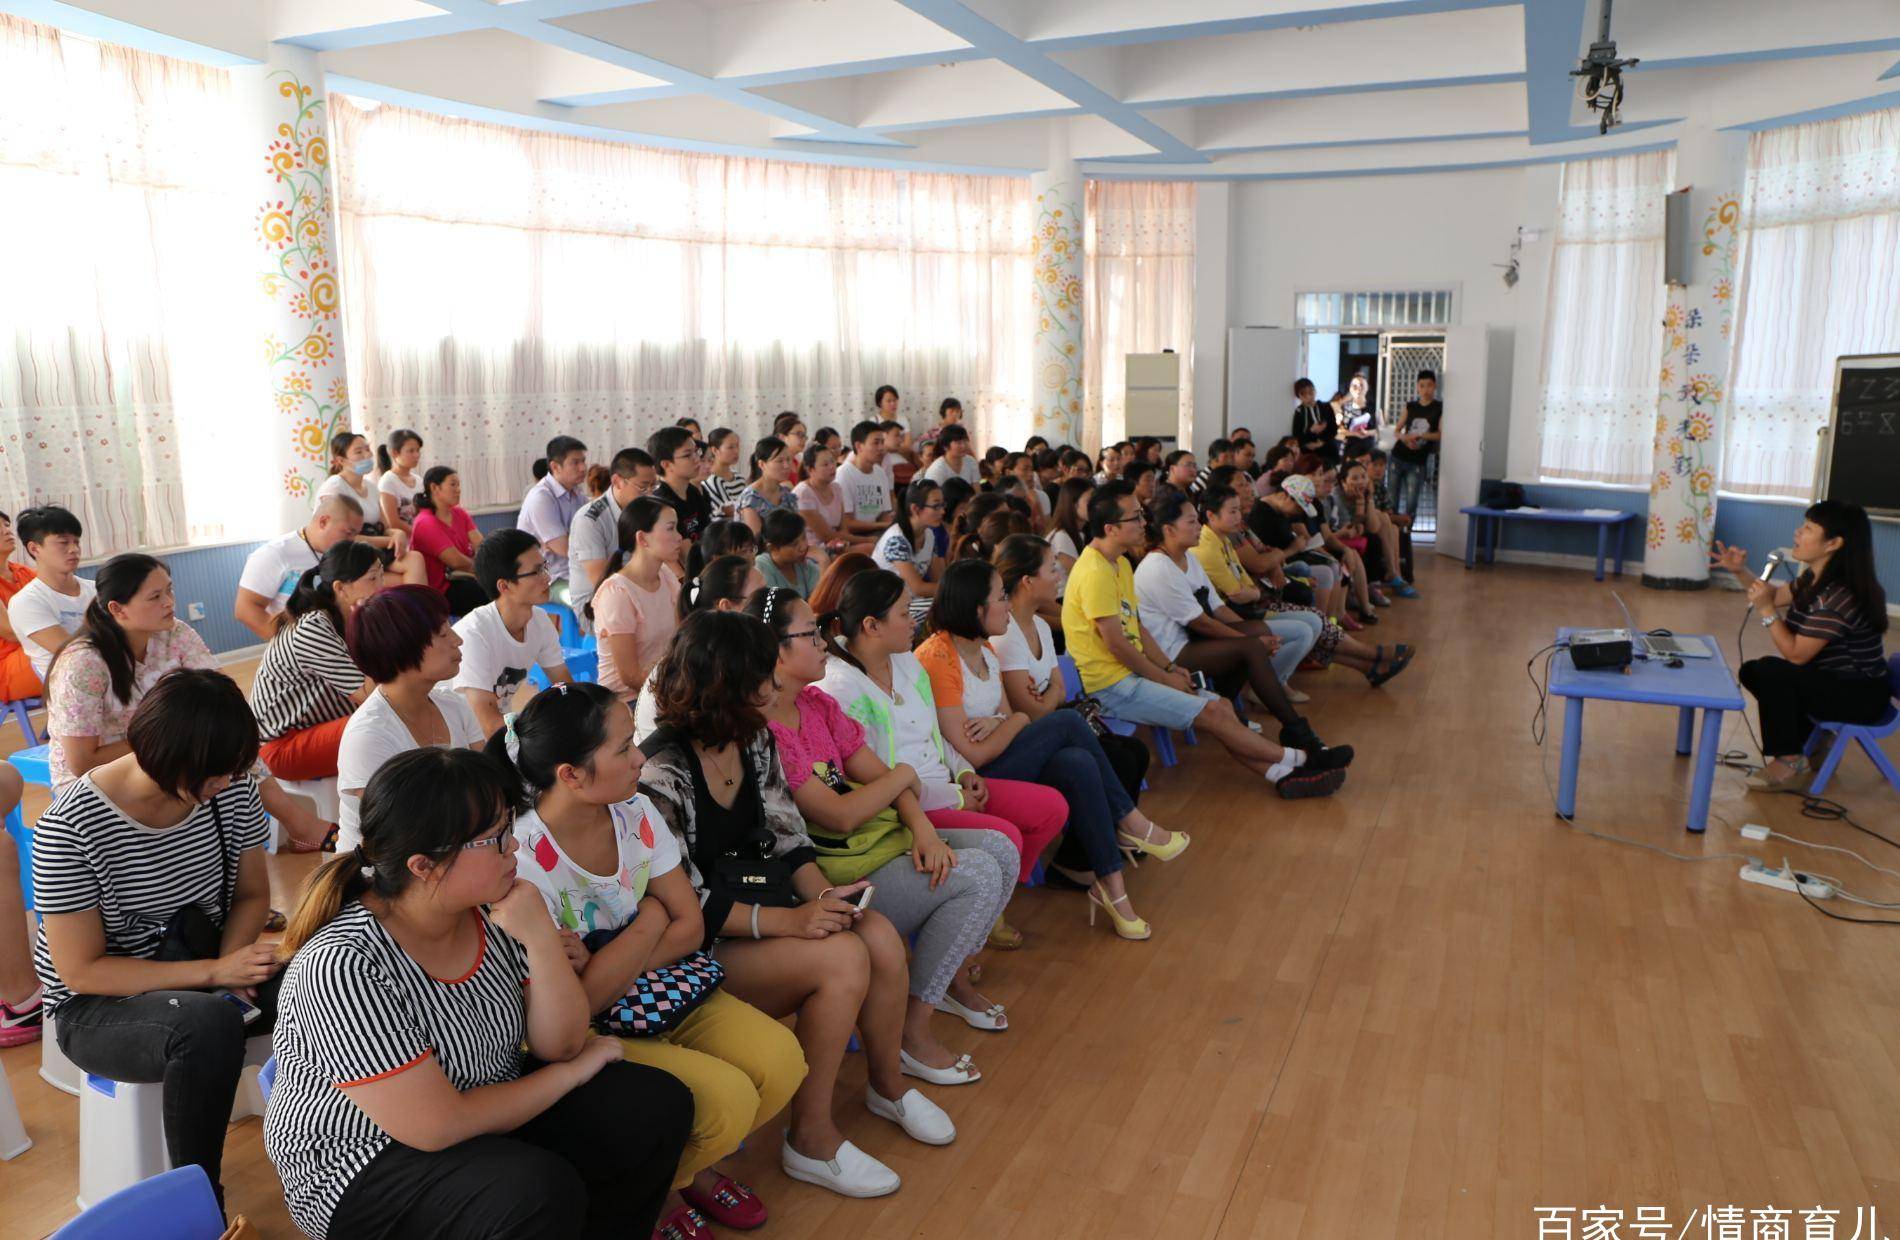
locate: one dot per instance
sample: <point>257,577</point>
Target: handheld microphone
<point>1774,562</point>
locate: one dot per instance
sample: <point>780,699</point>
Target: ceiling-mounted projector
<point>1602,75</point>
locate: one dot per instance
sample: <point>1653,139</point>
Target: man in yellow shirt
<point>1110,646</point>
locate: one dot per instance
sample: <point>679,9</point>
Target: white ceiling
<point>1150,88</point>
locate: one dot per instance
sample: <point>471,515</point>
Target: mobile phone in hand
<point>248,1010</point>
<point>864,898</point>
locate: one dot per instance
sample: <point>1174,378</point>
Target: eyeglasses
<point>938,505</point>
<point>539,570</point>
<point>504,843</point>
<point>812,634</point>
<point>691,454</point>
<point>1125,520</point>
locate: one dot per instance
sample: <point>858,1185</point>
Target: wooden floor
<point>1419,1009</point>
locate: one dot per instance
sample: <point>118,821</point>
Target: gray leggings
<point>953,922</point>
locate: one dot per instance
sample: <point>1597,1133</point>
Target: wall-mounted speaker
<point>1676,238</point>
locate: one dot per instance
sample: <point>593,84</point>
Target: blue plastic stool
<point>178,1205</point>
<point>23,843</point>
<point>1868,735</point>
<point>20,711</point>
<point>35,765</point>
<point>582,665</point>
<point>572,638</point>
<point>267,1077</point>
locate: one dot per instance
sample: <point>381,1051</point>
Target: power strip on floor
<point>1786,879</point>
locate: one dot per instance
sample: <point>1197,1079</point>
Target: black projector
<point>1596,650</point>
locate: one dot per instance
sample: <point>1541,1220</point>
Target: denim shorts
<point>1144,701</point>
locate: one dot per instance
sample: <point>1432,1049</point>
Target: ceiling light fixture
<point>1602,75</point>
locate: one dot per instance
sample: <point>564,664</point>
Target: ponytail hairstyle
<point>867,596</point>
<point>989,534</point>
<point>1020,557</point>
<point>763,451</point>
<point>340,448</point>
<point>1071,510</point>
<point>831,583</point>
<point>425,802</point>
<point>636,519</point>
<point>970,516</point>
<point>345,562</point>
<point>1852,566</point>
<point>718,436</point>
<point>119,580</point>
<point>991,458</point>
<point>720,538</point>
<point>722,581</point>
<point>956,493</point>
<point>772,607</point>
<point>562,728</point>
<point>957,607</point>
<point>398,440</point>
<point>916,495</point>
<point>1168,506</point>
<point>435,477</point>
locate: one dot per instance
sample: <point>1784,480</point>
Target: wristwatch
<point>1768,621</point>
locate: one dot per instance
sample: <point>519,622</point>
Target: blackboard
<point>1863,442</point>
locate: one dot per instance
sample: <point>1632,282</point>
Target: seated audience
<point>1147,448</point>
<point>1402,522</point>
<point>46,612</point>
<point>1122,666</point>
<point>821,503</point>
<point>1109,464</point>
<point>1179,471</point>
<point>148,873</point>
<point>1220,454</point>
<point>832,581</point>
<point>306,685</point>
<point>981,543</point>
<point>1829,660</point>
<point>1058,750</point>
<point>1067,535</point>
<point>678,458</point>
<point>723,485</point>
<point>22,999</point>
<point>447,540</point>
<point>1142,478</point>
<point>597,476</point>
<point>636,608</point>
<point>550,506</point>
<point>949,414</point>
<point>1199,631</point>
<point>505,637</point>
<point>1351,510</point>
<point>909,547</point>
<point>901,462</point>
<point>943,891</point>
<point>690,425</point>
<point>351,462</point>
<point>402,640</point>
<point>18,680</point>
<point>786,562</point>
<point>830,440</point>
<point>405,1105</point>
<point>791,428</point>
<point>1270,521</point>
<point>609,872</point>
<point>1362,596</point>
<point>397,461</point>
<point>957,459</point>
<point>866,485</point>
<point>769,490</point>
<point>273,570</point>
<point>724,584</point>
<point>790,941</point>
<point>992,463</point>
<point>596,530</point>
<point>874,676</point>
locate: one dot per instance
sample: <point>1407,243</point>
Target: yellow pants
<point>741,1065</point>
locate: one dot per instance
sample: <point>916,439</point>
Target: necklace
<point>890,674</point>
<point>728,779</point>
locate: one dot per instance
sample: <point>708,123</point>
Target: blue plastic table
<point>1486,528</point>
<point>1699,684</point>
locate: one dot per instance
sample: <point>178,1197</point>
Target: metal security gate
<point>1401,356</point>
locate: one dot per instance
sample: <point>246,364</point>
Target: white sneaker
<point>850,1172</point>
<point>919,1117</point>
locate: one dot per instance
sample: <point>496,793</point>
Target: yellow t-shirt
<point>1221,563</point>
<point>1096,589</point>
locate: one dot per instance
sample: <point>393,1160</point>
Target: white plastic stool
<point>321,793</point>
<point>122,1126</point>
<point>13,1139</point>
<point>55,1069</point>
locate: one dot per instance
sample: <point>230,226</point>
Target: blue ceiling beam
<point>1718,60</point>
<point>1308,92</point>
<point>1323,145</point>
<point>1273,21</point>
<point>1111,172</point>
<point>986,36</point>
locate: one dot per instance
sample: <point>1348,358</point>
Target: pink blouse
<point>79,697</point>
<point>649,616</point>
<point>825,734</point>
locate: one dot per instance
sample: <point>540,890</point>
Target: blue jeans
<point>1408,479</point>
<point>1299,632</point>
<point>1060,750</point>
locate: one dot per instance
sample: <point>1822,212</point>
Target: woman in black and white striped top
<point>307,685</point>
<point>149,873</point>
<point>403,1104</point>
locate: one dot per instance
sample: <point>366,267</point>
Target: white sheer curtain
<point>1819,276</point>
<point>1603,328</point>
<point>124,251</point>
<point>502,285</point>
<point>1139,293</point>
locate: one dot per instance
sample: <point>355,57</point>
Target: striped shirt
<point>724,494</point>
<point>87,854</point>
<point>1853,649</point>
<point>306,678</point>
<point>355,1008</point>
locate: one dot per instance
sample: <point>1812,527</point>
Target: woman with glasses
<point>420,965</point>
<point>403,642</point>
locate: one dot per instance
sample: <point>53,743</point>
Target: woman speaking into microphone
<point>1828,661</point>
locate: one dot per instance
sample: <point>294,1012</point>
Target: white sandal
<point>992,1019</point>
<point>962,1072</point>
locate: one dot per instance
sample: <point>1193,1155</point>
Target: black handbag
<point>190,934</point>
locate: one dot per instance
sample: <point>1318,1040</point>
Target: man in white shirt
<point>548,510</point>
<point>503,639</point>
<point>46,612</point>
<point>867,488</point>
<point>595,534</point>
<point>271,571</point>
<point>956,462</point>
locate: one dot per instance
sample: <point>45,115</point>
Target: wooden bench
<point>1485,529</point>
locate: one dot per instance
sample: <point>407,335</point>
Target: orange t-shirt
<point>980,696</point>
<point>17,680</point>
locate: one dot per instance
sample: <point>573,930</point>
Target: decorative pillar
<point>1693,384</point>
<point>1056,361</point>
<point>297,321</point>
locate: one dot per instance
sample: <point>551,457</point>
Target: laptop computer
<point>1658,646</point>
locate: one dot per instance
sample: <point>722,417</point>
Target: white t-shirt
<point>1166,596</point>
<point>38,606</point>
<point>904,728</point>
<point>895,547</point>
<point>940,471</point>
<point>374,735</point>
<point>338,484</point>
<point>1062,544</point>
<point>865,494</point>
<point>404,494</point>
<point>493,661</point>
<point>1012,654</point>
<point>271,571</point>
<point>983,695</point>
<point>579,899</point>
